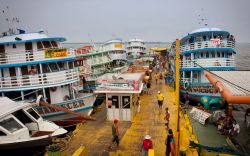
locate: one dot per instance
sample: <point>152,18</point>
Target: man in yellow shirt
<point>160,98</point>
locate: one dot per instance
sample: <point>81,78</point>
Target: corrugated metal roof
<point>239,78</point>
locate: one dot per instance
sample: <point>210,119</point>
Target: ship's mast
<point>12,21</point>
<point>201,19</point>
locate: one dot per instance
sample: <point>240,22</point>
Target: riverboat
<point>34,64</point>
<point>203,49</point>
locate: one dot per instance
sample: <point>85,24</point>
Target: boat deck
<point>96,135</point>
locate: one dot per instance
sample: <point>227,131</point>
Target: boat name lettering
<point>52,53</point>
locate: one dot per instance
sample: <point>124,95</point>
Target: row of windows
<point>46,44</point>
<point>212,55</point>
<point>28,45</point>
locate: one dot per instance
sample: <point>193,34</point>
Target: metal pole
<point>177,89</point>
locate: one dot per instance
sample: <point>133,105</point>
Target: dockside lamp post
<point>177,91</point>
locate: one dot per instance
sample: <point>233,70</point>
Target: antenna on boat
<point>12,21</point>
<point>201,19</point>
<point>91,41</point>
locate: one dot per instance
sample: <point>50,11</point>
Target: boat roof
<point>136,40</point>
<point>204,31</point>
<point>240,78</point>
<point>9,106</point>
<point>125,76</point>
<point>113,41</point>
<point>28,37</point>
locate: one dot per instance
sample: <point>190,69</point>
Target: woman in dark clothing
<point>170,143</point>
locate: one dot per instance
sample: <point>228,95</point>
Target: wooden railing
<point>219,62</point>
<point>38,80</point>
<point>207,44</point>
<point>31,56</point>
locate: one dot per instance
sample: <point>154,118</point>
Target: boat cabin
<point>122,92</point>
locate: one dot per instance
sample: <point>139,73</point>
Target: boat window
<point>11,125</point>
<point>201,55</point>
<point>207,54</point>
<point>204,38</point>
<point>218,54</point>
<point>45,68</point>
<point>20,115</point>
<point>115,101</point>
<point>222,54</point>
<point>2,133</point>
<point>213,54</point>
<point>126,101</point>
<point>70,65</point>
<point>53,67</point>
<point>33,113</point>
<point>14,45</point>
<point>39,45</point>
<point>54,44</point>
<point>47,44</point>
<point>229,55</point>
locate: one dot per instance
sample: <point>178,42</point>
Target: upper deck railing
<point>32,56</point>
<point>207,44</point>
<point>25,82</point>
<point>118,56</point>
<point>217,62</point>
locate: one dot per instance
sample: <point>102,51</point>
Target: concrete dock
<point>96,135</point>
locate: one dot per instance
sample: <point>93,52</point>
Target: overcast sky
<point>150,20</point>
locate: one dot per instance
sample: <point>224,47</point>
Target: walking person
<point>138,104</point>
<point>146,145</point>
<point>167,117</point>
<point>115,134</point>
<point>160,98</point>
<point>156,76</point>
<point>170,145</point>
<point>160,77</point>
<point>186,97</point>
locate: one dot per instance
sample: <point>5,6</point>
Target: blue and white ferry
<point>33,64</point>
<point>203,49</point>
<point>117,53</point>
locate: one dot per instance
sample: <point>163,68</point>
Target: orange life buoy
<point>53,89</point>
<point>32,72</point>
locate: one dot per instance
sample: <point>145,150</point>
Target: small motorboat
<point>22,127</point>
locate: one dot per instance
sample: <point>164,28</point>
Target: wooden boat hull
<point>26,144</point>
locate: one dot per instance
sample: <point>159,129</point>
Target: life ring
<point>186,85</point>
<point>32,72</point>
<point>53,89</point>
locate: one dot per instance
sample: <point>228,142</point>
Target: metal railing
<point>39,80</point>
<point>99,60</point>
<point>218,62</point>
<point>30,56</point>
<point>207,44</point>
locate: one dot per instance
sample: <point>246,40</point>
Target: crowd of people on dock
<point>226,125</point>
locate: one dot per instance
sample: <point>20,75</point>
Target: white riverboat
<point>136,48</point>
<point>35,64</point>
<point>117,52</point>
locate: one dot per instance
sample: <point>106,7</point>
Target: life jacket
<point>147,144</point>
